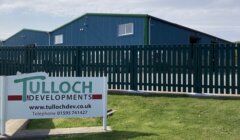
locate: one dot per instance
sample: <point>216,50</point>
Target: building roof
<point>102,14</point>
<point>141,16</point>
<point>124,15</point>
<point>186,28</point>
<point>31,30</point>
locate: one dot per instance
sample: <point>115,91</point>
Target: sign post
<point>35,96</point>
<point>2,104</point>
<point>105,105</point>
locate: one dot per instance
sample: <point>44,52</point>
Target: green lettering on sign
<point>37,88</point>
<point>74,87</point>
<point>61,87</point>
<point>89,87</point>
<point>53,88</point>
<point>24,81</point>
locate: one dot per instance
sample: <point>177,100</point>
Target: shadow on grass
<point>40,124</point>
<point>114,135</point>
<point>149,95</point>
<point>176,95</point>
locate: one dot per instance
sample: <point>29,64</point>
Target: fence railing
<point>178,68</point>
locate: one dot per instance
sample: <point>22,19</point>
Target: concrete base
<point>13,126</point>
<point>43,133</point>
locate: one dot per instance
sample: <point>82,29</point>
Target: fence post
<point>199,63</point>
<point>195,69</point>
<point>238,68</point>
<point>133,66</point>
<point>28,59</point>
<point>32,58</point>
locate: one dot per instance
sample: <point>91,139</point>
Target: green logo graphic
<point>40,86</point>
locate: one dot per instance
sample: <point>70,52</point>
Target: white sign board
<point>34,96</point>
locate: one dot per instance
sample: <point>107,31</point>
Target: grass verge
<point>147,118</point>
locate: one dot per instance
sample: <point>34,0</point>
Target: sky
<point>220,18</point>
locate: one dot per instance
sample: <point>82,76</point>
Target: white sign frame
<point>98,84</point>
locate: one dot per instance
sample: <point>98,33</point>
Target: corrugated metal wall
<point>93,30</point>
<point>165,33</point>
<point>25,37</point>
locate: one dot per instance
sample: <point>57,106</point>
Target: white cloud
<point>195,13</point>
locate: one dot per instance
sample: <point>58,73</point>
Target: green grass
<point>156,118</point>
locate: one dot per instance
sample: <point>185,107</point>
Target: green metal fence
<point>176,68</point>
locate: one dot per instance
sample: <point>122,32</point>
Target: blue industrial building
<point>27,37</point>
<point>114,29</point>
